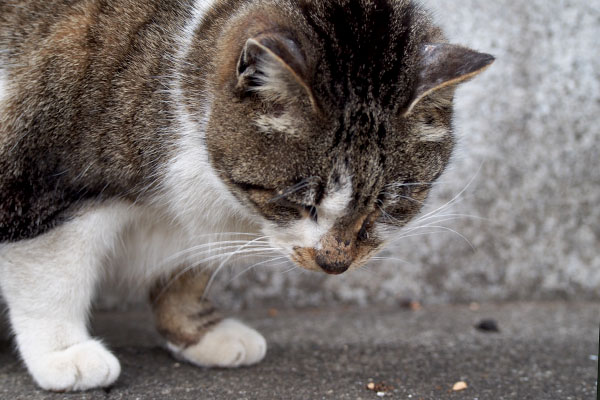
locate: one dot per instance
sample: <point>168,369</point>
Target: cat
<point>149,142</point>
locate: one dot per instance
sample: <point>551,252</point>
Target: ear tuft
<point>273,65</point>
<point>444,65</point>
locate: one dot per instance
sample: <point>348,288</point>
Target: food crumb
<point>410,304</point>
<point>381,394</point>
<point>458,386</point>
<point>273,312</point>
<point>380,387</point>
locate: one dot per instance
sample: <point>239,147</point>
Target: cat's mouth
<point>332,262</point>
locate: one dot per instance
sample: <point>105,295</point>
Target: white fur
<point>274,79</point>
<point>3,88</point>
<point>285,123</point>
<point>229,344</point>
<point>429,133</point>
<point>125,244</point>
<point>191,187</point>
<point>3,97</point>
<point>49,282</point>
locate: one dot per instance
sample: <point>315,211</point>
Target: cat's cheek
<point>298,234</point>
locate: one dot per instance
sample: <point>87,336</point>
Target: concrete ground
<point>542,351</point>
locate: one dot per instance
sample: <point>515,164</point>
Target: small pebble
<point>458,386</point>
<point>381,394</point>
<point>412,305</point>
<point>487,325</point>
<point>474,306</point>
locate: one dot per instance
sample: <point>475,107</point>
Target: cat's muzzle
<point>332,267</point>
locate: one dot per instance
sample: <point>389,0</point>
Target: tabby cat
<point>147,142</point>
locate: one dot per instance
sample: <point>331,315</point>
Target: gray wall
<point>530,146</point>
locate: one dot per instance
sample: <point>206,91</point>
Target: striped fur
<point>133,133</point>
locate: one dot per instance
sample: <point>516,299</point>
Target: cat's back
<point>79,109</point>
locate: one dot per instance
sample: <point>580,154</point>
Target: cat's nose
<point>332,267</point>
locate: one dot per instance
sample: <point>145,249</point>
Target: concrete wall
<point>529,132</point>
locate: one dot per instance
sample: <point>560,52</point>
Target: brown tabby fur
<point>89,119</point>
<point>295,103</point>
<point>181,311</point>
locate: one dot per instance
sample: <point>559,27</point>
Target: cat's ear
<point>274,66</point>
<point>443,65</point>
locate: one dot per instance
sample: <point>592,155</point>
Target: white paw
<point>228,344</point>
<point>83,366</point>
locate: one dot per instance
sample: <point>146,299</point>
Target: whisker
<point>453,200</point>
<point>253,266</point>
<point>393,259</point>
<point>197,264</point>
<point>429,224</point>
<point>212,277</point>
<point>416,234</point>
<point>458,216</point>
<point>229,255</point>
<point>211,247</point>
<point>445,228</point>
<point>294,267</point>
<point>311,180</point>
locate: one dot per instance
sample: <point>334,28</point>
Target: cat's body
<point>139,139</point>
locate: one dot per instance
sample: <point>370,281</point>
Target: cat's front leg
<point>48,283</point>
<point>195,331</point>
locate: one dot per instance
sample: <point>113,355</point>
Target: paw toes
<point>256,346</point>
<point>228,344</point>
<point>82,366</point>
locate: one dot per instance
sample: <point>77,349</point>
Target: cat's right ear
<point>274,66</point>
<point>442,65</point>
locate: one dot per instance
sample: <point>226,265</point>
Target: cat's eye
<point>363,233</point>
<point>248,187</point>
<point>306,210</point>
<point>312,213</point>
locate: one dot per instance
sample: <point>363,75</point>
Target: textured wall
<point>530,146</point>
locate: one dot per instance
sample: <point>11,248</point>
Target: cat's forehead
<point>366,50</point>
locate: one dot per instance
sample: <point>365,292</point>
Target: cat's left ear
<point>273,65</point>
<point>443,65</point>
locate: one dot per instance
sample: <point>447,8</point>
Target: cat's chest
<point>151,246</point>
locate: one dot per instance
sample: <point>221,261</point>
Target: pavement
<point>545,350</point>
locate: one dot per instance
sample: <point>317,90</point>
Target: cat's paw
<point>83,366</point>
<point>230,343</point>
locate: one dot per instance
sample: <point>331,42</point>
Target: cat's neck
<point>192,189</point>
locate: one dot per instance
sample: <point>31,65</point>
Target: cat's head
<point>331,119</point>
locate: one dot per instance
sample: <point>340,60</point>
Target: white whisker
<point>255,265</point>
<point>212,278</point>
<point>454,199</point>
<point>212,247</point>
